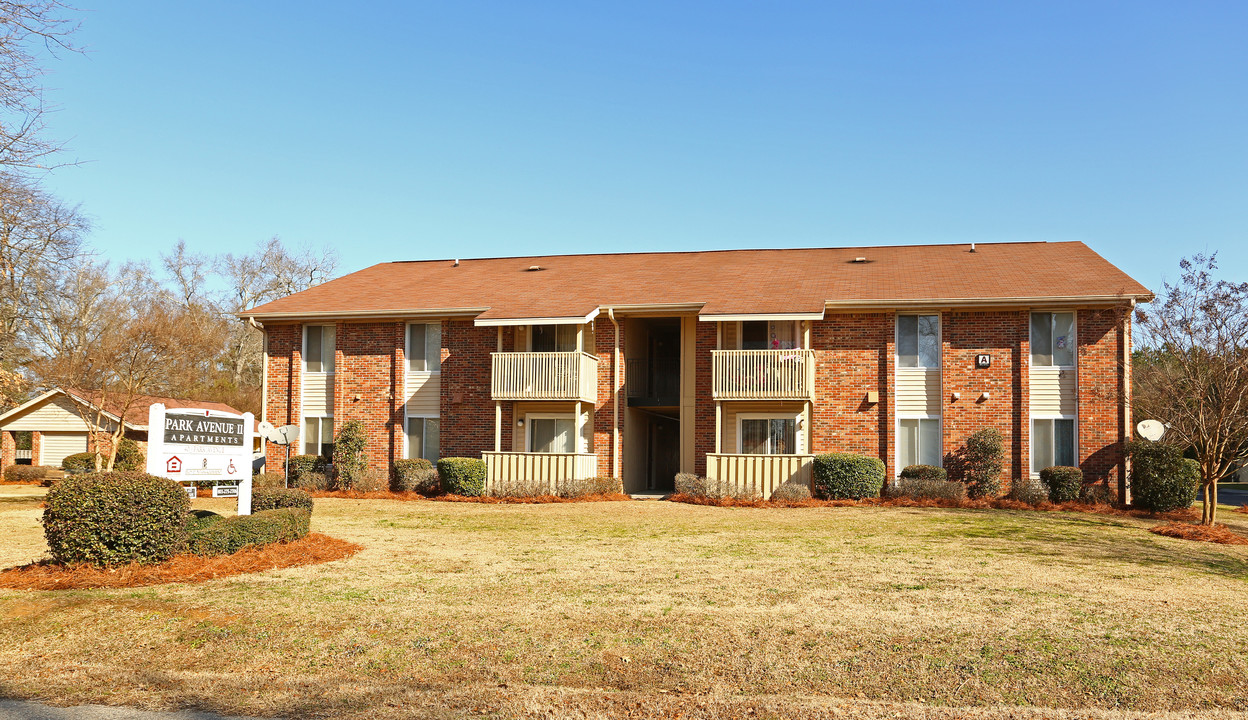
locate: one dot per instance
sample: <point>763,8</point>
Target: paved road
<point>24,710</point>
<point>1230,497</point>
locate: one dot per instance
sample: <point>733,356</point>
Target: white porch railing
<point>544,376</point>
<point>759,474</point>
<point>536,473</point>
<point>763,374</point>
<point>22,455</point>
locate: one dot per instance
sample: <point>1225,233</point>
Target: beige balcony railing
<point>544,376</point>
<point>759,475</point>
<point>536,473</point>
<point>763,374</point>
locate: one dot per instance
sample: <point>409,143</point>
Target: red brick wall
<point>467,428</point>
<point>8,450</point>
<point>285,350</point>
<point>704,404</point>
<point>366,386</point>
<point>1104,409</point>
<point>604,348</point>
<point>1004,336</point>
<point>853,356</point>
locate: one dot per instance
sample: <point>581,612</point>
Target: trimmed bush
<point>129,456</point>
<point>1161,478</point>
<point>843,476</point>
<point>275,498</point>
<point>268,480</point>
<point>350,465</point>
<point>924,486</point>
<point>689,484</point>
<point>925,472</point>
<point>462,476</point>
<point>1064,483</point>
<point>79,463</point>
<point>115,518</point>
<point>416,475</point>
<point>983,460</point>
<point>26,473</point>
<point>301,464</point>
<point>1028,490</point>
<point>592,486</point>
<point>212,534</point>
<point>790,492</point>
<point>314,481</point>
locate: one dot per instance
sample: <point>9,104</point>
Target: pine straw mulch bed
<point>1220,534</point>
<point>486,499</point>
<point>47,575</point>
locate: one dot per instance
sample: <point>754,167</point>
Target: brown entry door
<point>664,454</point>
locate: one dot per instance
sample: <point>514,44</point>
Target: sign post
<point>191,445</point>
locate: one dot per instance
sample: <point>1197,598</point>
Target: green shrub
<point>790,492</point>
<point>982,462</point>
<point>350,464</point>
<point>843,476</point>
<point>301,464</point>
<point>1161,478</point>
<point>925,472</point>
<point>25,473</point>
<point>275,498</point>
<point>1064,483</point>
<point>592,486</point>
<point>129,456</point>
<point>462,476</point>
<point>215,535</point>
<point>1028,490</point>
<point>80,463</point>
<point>115,518</point>
<point>416,475</point>
<point>313,481</point>
<point>268,480</point>
<point>926,486</point>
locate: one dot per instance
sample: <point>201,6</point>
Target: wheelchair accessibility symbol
<point>230,468</point>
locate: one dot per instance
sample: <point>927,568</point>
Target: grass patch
<point>648,609</point>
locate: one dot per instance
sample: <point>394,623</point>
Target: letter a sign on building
<point>191,446</point>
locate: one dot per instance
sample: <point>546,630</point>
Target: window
<point>318,348</point>
<point>918,341</point>
<point>1053,339</point>
<point>318,436</point>
<point>422,438</point>
<point>1052,443</point>
<point>551,434</point>
<point>768,335</point>
<point>553,338</point>
<point>768,435</point>
<point>424,347</point>
<point>918,442</point>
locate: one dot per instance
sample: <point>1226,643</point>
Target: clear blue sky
<point>465,129</point>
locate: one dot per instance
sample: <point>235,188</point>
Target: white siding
<point>317,396</point>
<point>60,445</point>
<point>1053,391</point>
<point>918,391</point>
<point>57,413</point>
<point>423,393</point>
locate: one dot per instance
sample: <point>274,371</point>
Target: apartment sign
<point>202,447</point>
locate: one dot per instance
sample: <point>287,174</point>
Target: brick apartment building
<point>736,364</point>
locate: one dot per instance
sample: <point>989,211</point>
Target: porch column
<point>580,429</point>
<point>719,419</point>
<point>498,425</point>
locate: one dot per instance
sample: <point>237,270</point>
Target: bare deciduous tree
<point>1194,374</point>
<point>25,28</point>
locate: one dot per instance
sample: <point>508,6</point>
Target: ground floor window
<point>1052,443</point>
<point>318,436</point>
<point>918,442</point>
<point>552,433</point>
<point>422,438</point>
<point>767,435</point>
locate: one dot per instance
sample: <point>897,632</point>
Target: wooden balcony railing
<point>763,374</point>
<point>524,473</point>
<point>759,475</point>
<point>544,376</point>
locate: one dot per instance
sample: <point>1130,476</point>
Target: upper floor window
<point>769,335</point>
<point>1053,338</point>
<point>918,341</point>
<point>424,347</point>
<point>553,338</point>
<point>318,348</point>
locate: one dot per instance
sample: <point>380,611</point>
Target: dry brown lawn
<point>653,609</point>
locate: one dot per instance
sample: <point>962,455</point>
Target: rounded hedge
<point>212,534</point>
<point>115,518</point>
<point>415,475</point>
<point>301,465</point>
<point>1064,483</point>
<point>462,476</point>
<point>83,462</point>
<point>842,476</point>
<point>925,472</point>
<point>983,460</point>
<point>129,456</point>
<point>275,498</point>
<point>1161,478</point>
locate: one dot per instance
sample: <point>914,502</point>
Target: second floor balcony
<point>763,374</point>
<point>544,376</point>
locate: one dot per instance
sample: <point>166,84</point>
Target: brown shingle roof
<point>724,282</point>
<point>137,413</point>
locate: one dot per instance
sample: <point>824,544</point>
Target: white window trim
<point>940,343</point>
<point>940,421</point>
<point>581,442</point>
<point>304,351</point>
<point>407,354</point>
<point>408,418</point>
<point>798,332</point>
<point>799,431</point>
<point>1031,422</point>
<point>303,423</point>
<point>1074,331</point>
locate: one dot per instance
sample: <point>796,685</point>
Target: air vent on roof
<point>535,268</point>
<point>859,260</point>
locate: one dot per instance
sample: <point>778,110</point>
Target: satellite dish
<point>264,429</point>
<point>1151,430</point>
<point>286,435</point>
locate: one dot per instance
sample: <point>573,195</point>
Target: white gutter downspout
<point>615,396</point>
<point>264,375</point>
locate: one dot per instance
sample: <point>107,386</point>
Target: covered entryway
<point>57,446</point>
